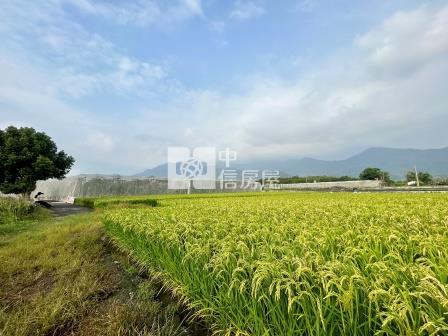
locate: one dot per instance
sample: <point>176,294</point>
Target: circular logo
<point>191,168</point>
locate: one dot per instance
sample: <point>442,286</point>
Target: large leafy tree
<point>375,174</point>
<point>27,156</point>
<point>424,177</point>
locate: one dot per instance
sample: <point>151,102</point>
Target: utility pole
<point>416,176</point>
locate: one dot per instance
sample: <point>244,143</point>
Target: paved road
<point>61,209</point>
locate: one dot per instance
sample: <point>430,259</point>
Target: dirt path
<point>64,277</point>
<point>61,209</point>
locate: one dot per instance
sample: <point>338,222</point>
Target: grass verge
<point>63,277</point>
<point>13,210</point>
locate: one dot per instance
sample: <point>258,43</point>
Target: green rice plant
<point>305,263</point>
<point>109,202</point>
<point>151,200</point>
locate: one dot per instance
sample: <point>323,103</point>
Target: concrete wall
<point>327,185</point>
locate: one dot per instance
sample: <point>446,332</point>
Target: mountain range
<point>395,161</point>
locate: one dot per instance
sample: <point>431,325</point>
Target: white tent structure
<point>98,185</point>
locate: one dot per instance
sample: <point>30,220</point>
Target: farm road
<point>61,209</point>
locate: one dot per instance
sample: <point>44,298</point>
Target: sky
<point>116,82</point>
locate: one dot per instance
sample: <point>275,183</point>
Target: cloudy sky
<point>117,82</point>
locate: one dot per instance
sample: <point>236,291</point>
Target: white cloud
<point>195,6</point>
<point>386,89</point>
<point>217,26</point>
<point>305,5</point>
<point>132,74</point>
<point>100,141</point>
<point>78,62</point>
<point>406,42</point>
<point>244,9</point>
<point>140,13</point>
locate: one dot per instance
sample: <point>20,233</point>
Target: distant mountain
<point>158,171</point>
<point>396,161</point>
<point>162,170</point>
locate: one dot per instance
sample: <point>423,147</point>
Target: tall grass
<point>62,278</point>
<point>293,264</point>
<point>12,209</point>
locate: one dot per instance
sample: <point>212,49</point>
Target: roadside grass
<point>63,277</point>
<point>13,210</point>
<point>10,228</point>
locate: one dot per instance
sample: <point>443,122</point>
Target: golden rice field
<point>299,263</point>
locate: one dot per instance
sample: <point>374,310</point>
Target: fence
<point>82,186</point>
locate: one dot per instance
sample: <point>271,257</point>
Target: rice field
<point>108,201</point>
<point>299,263</point>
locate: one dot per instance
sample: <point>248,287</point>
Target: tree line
<point>370,173</point>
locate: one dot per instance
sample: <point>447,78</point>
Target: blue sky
<point>117,82</point>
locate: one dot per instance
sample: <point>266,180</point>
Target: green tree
<point>424,177</point>
<point>27,156</point>
<point>375,174</point>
